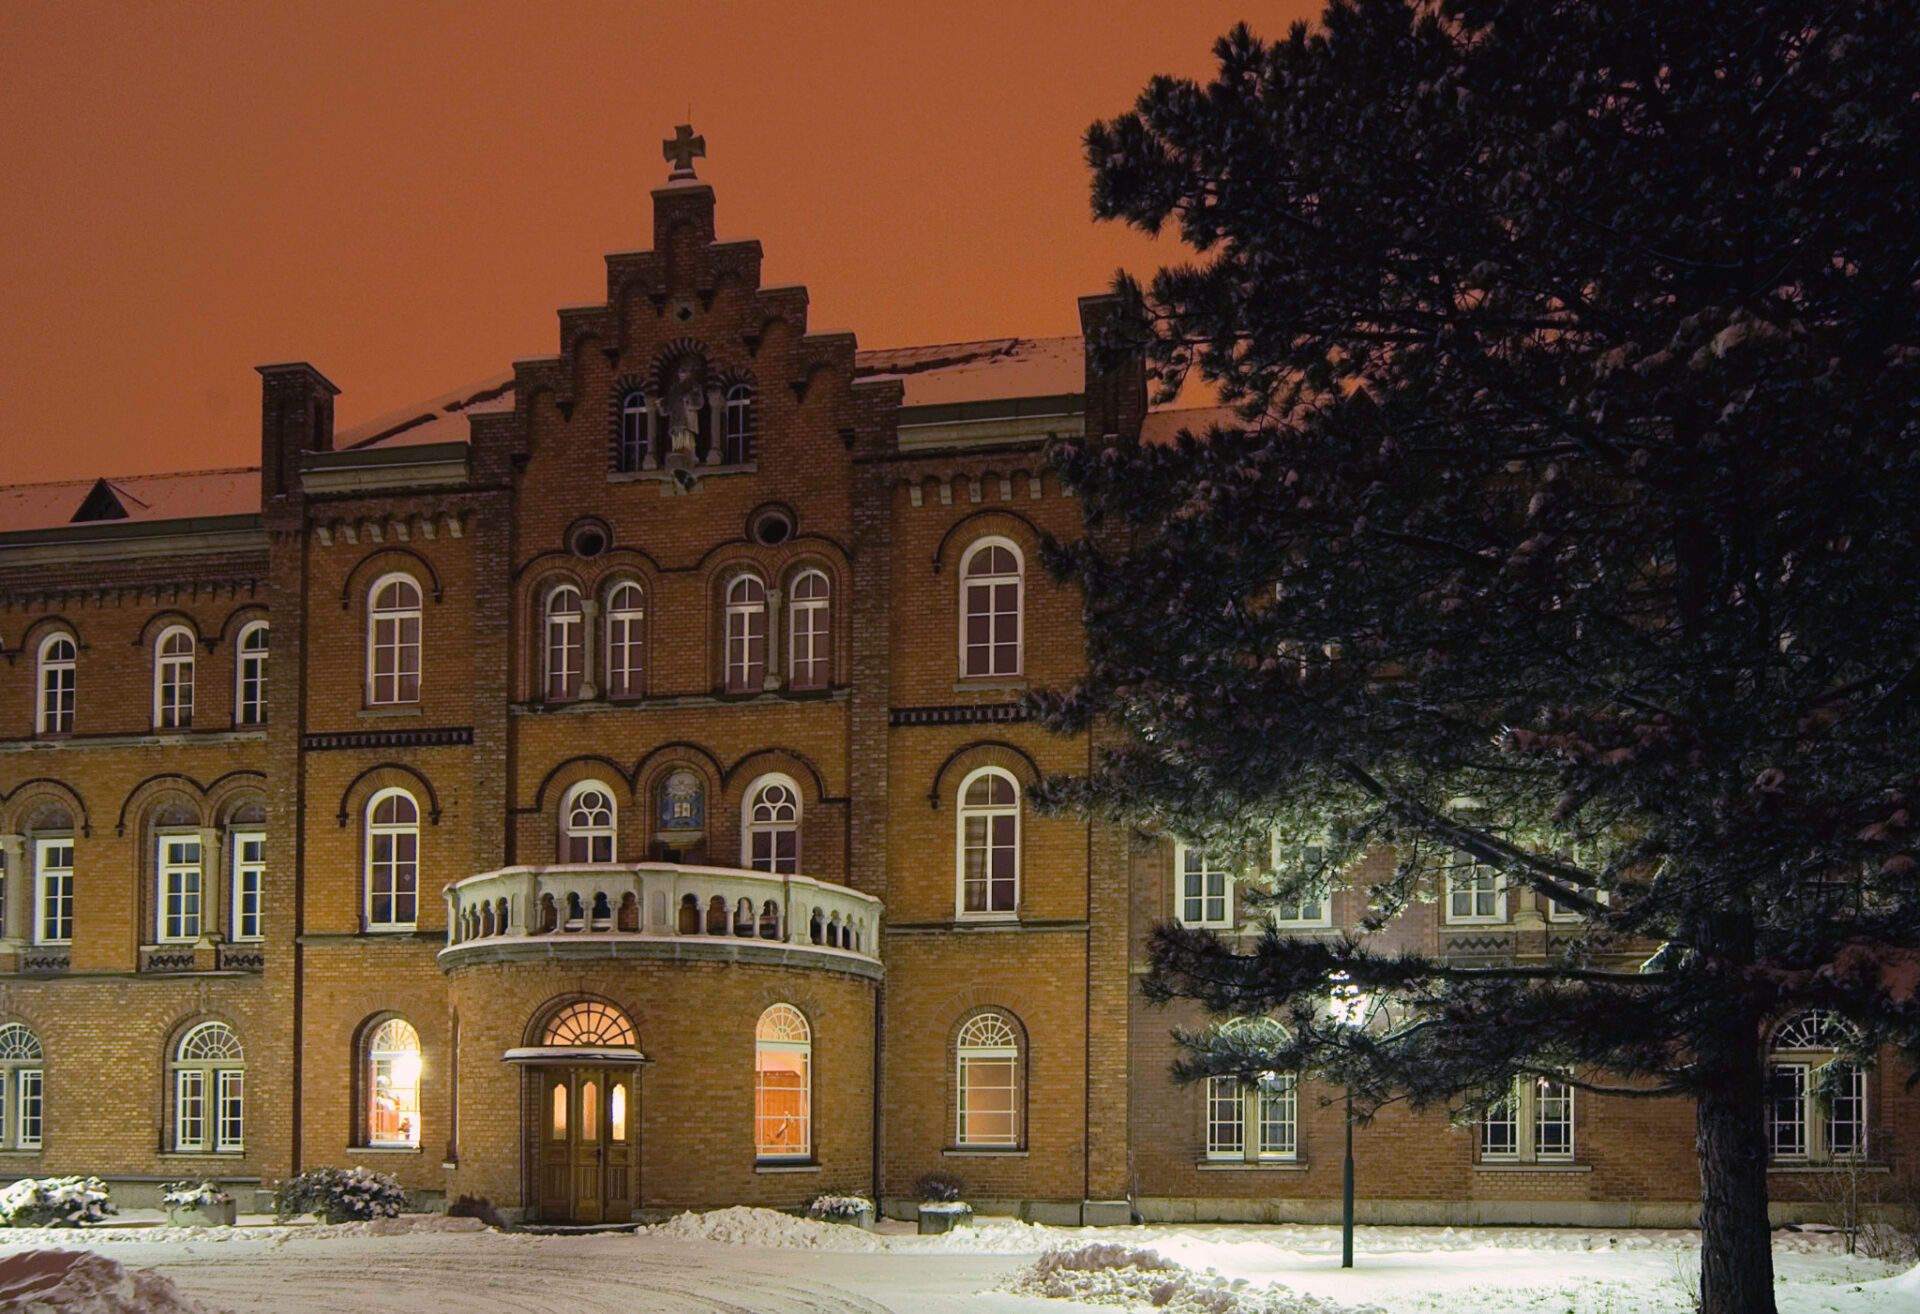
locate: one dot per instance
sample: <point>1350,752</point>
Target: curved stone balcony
<point>659,910</point>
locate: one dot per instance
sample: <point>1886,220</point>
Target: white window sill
<point>389,709</point>
<point>1522,1166</point>
<point>974,918</point>
<point>1256,1166</point>
<point>1818,1169</point>
<point>383,1149</point>
<point>774,1168</point>
<point>230,1155</point>
<point>990,683</point>
<point>1204,926</point>
<point>1474,923</point>
<point>983,1152</point>
<point>21,1152</point>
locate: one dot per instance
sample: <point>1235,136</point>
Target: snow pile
<point>743,1225</point>
<point>1105,1273</point>
<point>274,1234</point>
<point>81,1282</point>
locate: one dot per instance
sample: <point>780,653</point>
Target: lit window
<point>591,1023</point>
<point>393,640</point>
<point>626,611</point>
<point>249,868</point>
<point>990,585</point>
<point>22,1085</point>
<point>809,643</point>
<point>209,1091</point>
<point>1533,1124</point>
<point>989,835</point>
<point>633,432</point>
<point>772,840</point>
<point>393,1084</point>
<point>178,905</point>
<point>1313,906</point>
<point>587,831</point>
<point>1205,889</point>
<point>53,870</point>
<point>393,861</point>
<point>56,685</point>
<point>739,446</point>
<point>250,692</point>
<point>564,627</point>
<point>1817,1105</point>
<point>746,635</point>
<point>1268,1105</point>
<point>1475,891</point>
<point>987,1081</point>
<point>173,679</point>
<point>782,1085</point>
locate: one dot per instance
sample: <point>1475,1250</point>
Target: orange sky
<point>404,193</point>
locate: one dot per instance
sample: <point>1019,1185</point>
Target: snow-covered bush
<point>340,1195</point>
<point>190,1194</point>
<point>839,1206</point>
<point>55,1202</point>
<point>938,1187</point>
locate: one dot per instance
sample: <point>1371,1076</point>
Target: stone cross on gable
<point>682,149</point>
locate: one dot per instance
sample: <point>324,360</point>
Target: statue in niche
<point>683,802</point>
<point>686,397</point>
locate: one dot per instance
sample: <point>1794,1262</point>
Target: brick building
<point>630,815</point>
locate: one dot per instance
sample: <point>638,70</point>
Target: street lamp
<point>1351,1009</point>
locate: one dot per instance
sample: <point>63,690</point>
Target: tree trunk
<point>1736,1241</point>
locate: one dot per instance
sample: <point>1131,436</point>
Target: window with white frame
<point>564,645</point>
<point>782,1084</point>
<point>393,1084</point>
<point>633,431</point>
<point>393,640</point>
<point>739,447</point>
<point>1269,1106</point>
<point>1204,892</point>
<point>1475,891</point>
<point>393,861</point>
<point>772,825</point>
<point>1533,1123</point>
<point>989,843</point>
<point>173,679</point>
<point>1817,1099</point>
<point>990,589</point>
<point>1577,855</point>
<point>250,676</point>
<point>1311,907</point>
<point>177,905</point>
<point>58,665</point>
<point>248,866</point>
<point>809,646</point>
<point>746,622</point>
<point>209,1091</point>
<point>22,1087</point>
<point>53,875</point>
<point>587,823</point>
<point>987,1081</point>
<point>626,649</point>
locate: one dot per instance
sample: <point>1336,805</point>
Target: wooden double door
<point>588,1126</point>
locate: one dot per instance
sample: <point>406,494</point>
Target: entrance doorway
<point>587,1126</point>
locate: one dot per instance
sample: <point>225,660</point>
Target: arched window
<point>739,446</point>
<point>393,1084</point>
<point>57,667</point>
<point>173,679</point>
<point>1256,1120</point>
<point>591,1023</point>
<point>626,650</point>
<point>177,869</point>
<point>990,586</point>
<point>22,1082</point>
<point>989,843</point>
<point>563,645</point>
<point>772,839</point>
<point>987,1081</point>
<point>393,861</point>
<point>250,679</point>
<point>809,645</point>
<point>1817,1105</point>
<point>746,635</point>
<point>393,640</point>
<point>586,826</point>
<point>633,432</point>
<point>209,1090</point>
<point>782,1085</point>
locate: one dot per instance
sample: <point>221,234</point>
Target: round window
<point>588,538</point>
<point>772,526</point>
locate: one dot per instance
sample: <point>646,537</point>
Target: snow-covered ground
<point>750,1260</point>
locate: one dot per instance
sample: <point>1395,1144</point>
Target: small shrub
<point>839,1206</point>
<point>55,1202</point>
<point>938,1187</point>
<point>190,1194</point>
<point>339,1195</point>
<point>476,1206</point>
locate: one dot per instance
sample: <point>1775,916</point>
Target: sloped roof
<point>189,494</point>
<point>441,419</point>
<point>951,372</point>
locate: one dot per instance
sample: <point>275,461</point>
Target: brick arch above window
<point>44,628</point>
<point>388,561</point>
<point>228,794</point>
<point>984,753</point>
<point>31,800</point>
<point>387,775</point>
<point>145,796</point>
<point>237,620</point>
<point>968,530</point>
<point>162,621</point>
<point>565,775</point>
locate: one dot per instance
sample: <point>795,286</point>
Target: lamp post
<point>1352,1009</point>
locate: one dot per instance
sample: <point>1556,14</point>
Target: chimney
<point>1116,397</point>
<point>296,415</point>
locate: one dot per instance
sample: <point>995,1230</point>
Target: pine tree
<point>1569,522</point>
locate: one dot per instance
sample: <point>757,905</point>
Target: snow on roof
<point>1164,426</point>
<point>441,419</point>
<point>952,372</point>
<point>191,493</point>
